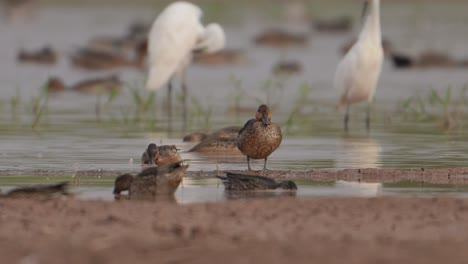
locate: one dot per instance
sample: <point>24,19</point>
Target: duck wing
<point>247,124</point>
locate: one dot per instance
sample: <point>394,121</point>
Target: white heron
<point>358,72</point>
<point>174,36</point>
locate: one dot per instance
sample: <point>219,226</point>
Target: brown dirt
<point>287,230</point>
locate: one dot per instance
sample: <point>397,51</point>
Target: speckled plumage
<point>216,145</point>
<point>151,182</point>
<point>242,182</point>
<point>168,154</point>
<point>226,132</point>
<point>223,140</point>
<point>259,137</point>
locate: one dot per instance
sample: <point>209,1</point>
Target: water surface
<point>70,137</point>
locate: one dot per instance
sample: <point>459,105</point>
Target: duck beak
<point>265,120</point>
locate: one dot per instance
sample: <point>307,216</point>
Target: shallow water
<point>211,190</point>
<point>69,137</point>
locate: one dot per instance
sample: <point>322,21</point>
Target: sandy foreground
<point>277,230</point>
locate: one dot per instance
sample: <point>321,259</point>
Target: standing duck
<point>160,155</point>
<point>259,137</point>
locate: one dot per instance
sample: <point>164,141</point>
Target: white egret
<point>358,72</point>
<point>175,34</point>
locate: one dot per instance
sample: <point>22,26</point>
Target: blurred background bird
<point>358,72</point>
<point>175,35</point>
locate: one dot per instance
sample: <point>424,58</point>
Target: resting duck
<point>136,33</point>
<point>153,181</point>
<point>222,57</point>
<point>338,25</point>
<point>222,140</point>
<point>426,59</point>
<point>287,67</point>
<point>45,55</point>
<point>103,85</point>
<point>195,137</point>
<point>259,137</point>
<point>103,59</point>
<point>225,132</point>
<point>280,38</point>
<point>160,155</point>
<point>44,191</point>
<point>242,182</point>
<point>212,145</point>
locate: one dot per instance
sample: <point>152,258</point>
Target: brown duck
<point>225,132</point>
<point>45,55</point>
<point>151,182</point>
<point>97,86</point>
<point>223,140</point>
<point>102,59</point>
<point>243,182</point>
<point>223,57</point>
<point>280,38</point>
<point>160,155</point>
<point>43,191</point>
<point>259,137</point>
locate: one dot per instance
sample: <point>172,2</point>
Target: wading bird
<point>358,72</point>
<point>175,35</point>
<point>259,137</point>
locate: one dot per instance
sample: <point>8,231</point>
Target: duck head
<point>153,153</point>
<point>287,185</point>
<point>263,114</point>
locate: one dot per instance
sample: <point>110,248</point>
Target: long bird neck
<point>371,27</point>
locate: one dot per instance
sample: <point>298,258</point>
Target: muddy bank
<point>422,176</point>
<point>324,230</point>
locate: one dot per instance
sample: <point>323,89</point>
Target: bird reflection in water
<point>358,152</point>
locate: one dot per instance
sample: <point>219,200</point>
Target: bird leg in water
<point>248,163</point>
<point>368,117</point>
<point>346,119</point>
<point>264,165</point>
<point>184,109</point>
